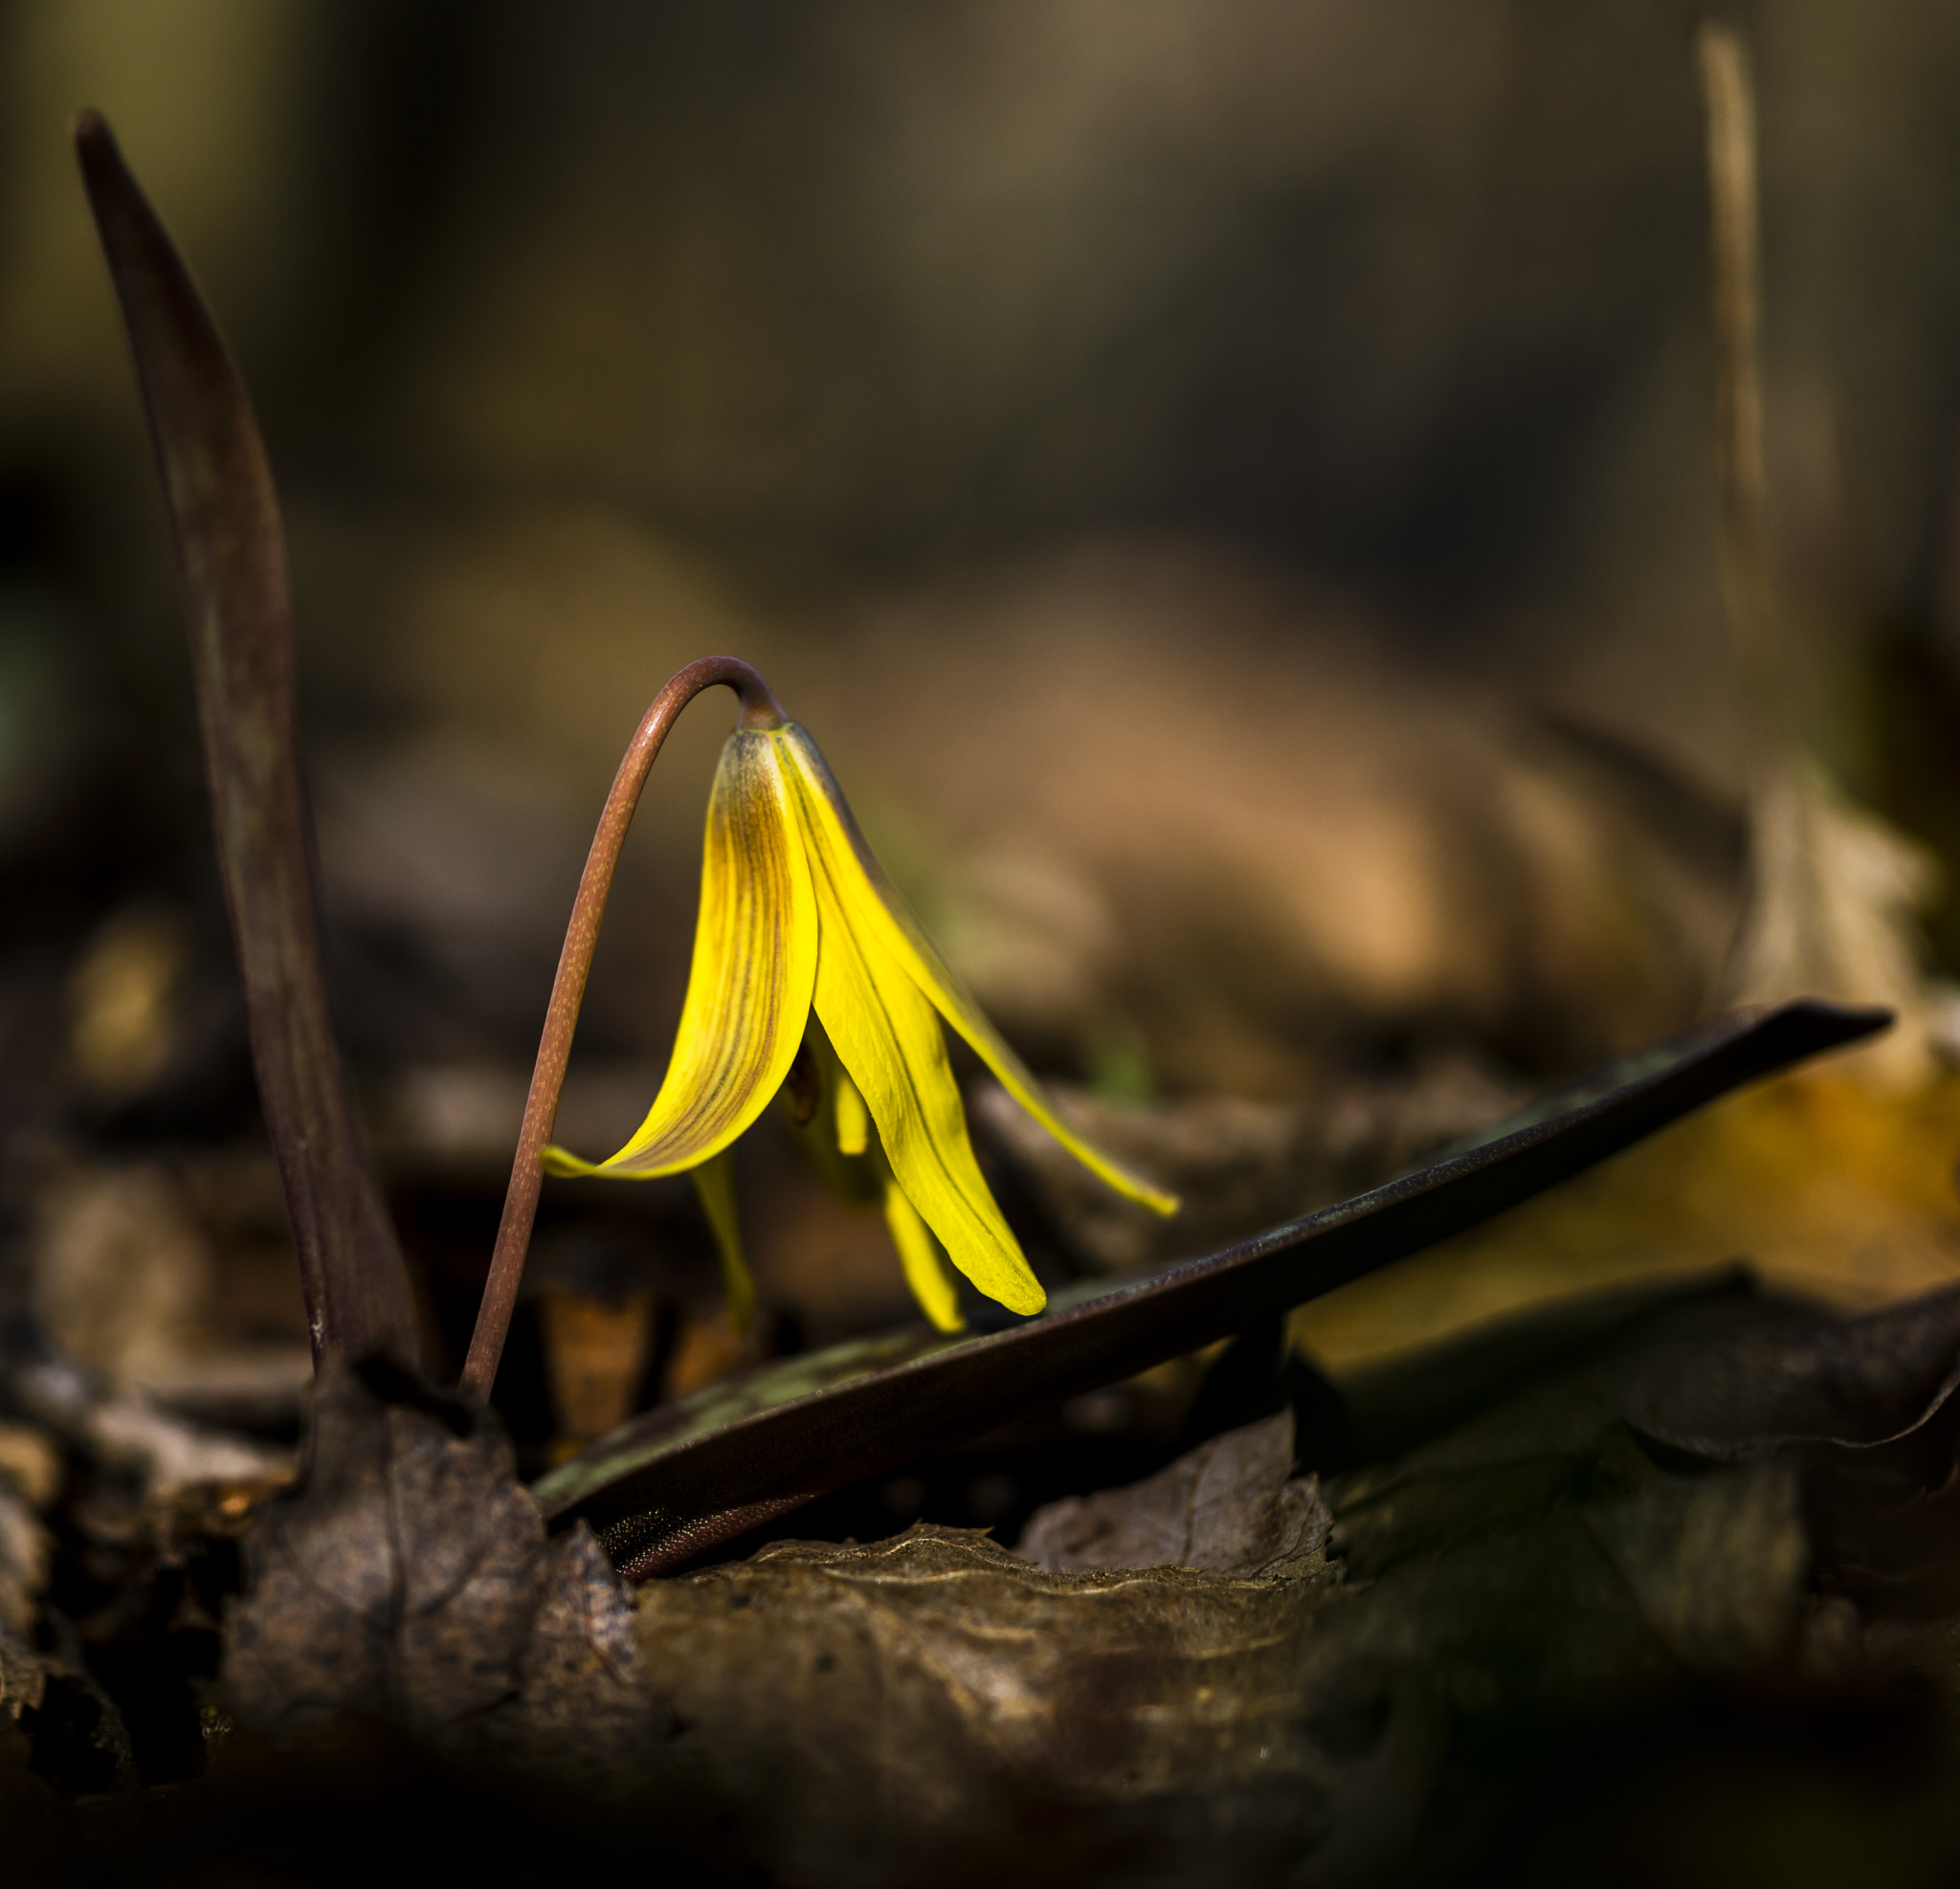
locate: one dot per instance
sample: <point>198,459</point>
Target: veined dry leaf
<point>1230,1506</point>
<point>407,1585</point>
<point>931,1703</point>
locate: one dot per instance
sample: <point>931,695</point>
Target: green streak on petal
<point>748,992</point>
<point>888,1038</point>
<point>883,914</point>
<point>858,1179</point>
<point>927,1271</point>
<point>714,1183</point>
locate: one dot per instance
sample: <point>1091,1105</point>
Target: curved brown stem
<point>760,709</point>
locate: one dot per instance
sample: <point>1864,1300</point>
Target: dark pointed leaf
<point>233,552</point>
<point>673,1483</point>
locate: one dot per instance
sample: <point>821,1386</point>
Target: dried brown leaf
<point>1231,1506</point>
<point>932,1704</point>
<point>407,1586</point>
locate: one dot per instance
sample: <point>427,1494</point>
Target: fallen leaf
<point>1833,1190</point>
<point>406,1586</point>
<point>884,1713</point>
<point>1231,1506</point>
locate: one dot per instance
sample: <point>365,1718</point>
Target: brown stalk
<point>231,550</point>
<point>1735,246</point>
<point>760,709</point>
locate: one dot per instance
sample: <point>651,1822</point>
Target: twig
<point>231,547</point>
<point>760,709</point>
<point>1735,247</point>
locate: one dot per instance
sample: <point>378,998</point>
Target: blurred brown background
<point>1229,484</point>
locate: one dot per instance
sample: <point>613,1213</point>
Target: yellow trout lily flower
<point>797,919</point>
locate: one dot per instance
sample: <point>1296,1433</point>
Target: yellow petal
<point>714,1182</point>
<point>924,1259</point>
<point>853,1125</point>
<point>749,988</point>
<point>878,911</point>
<point>888,1039</point>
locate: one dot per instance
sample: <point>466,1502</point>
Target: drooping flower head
<point>797,918</point>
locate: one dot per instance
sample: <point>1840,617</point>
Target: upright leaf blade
<point>231,547</point>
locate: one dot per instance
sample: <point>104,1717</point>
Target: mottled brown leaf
<point>407,1585</point>
<point>932,1707</point>
<point>1231,1505</point>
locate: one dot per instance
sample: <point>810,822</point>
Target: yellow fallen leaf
<point>1829,1189</point>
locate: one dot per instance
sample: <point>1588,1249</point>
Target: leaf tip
<point>96,148</point>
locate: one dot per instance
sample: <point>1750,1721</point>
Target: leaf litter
<point>1303,1651</point>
